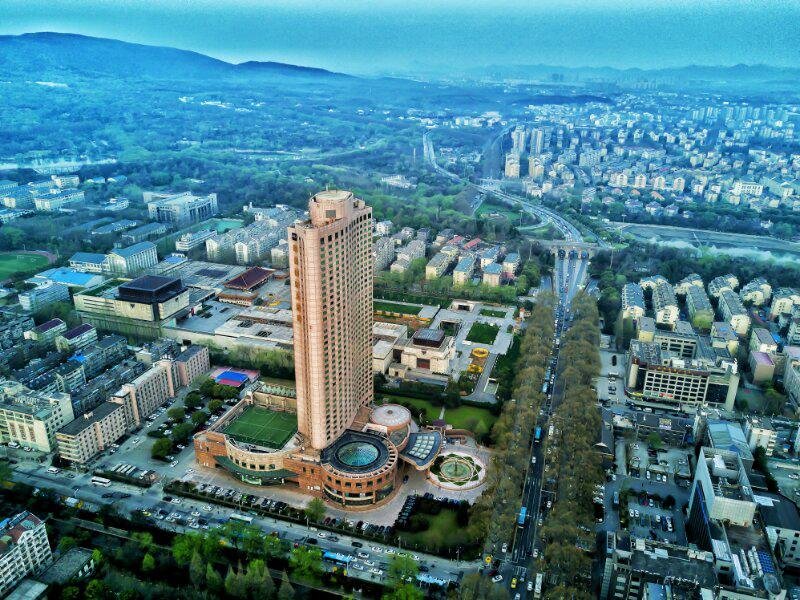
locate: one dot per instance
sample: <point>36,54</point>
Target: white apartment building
<point>24,549</point>
<point>31,418</point>
<point>91,433</point>
<point>734,312</point>
<point>760,434</point>
<point>147,392</point>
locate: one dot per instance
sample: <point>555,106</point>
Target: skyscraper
<point>537,141</point>
<point>330,258</point>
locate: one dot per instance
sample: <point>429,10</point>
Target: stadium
<point>257,442</point>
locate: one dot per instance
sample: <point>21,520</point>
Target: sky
<point>426,36</point>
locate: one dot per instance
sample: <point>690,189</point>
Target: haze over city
<point>440,36</point>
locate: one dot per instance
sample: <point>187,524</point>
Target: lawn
<point>482,333</point>
<point>489,312</point>
<point>473,418</point>
<point>443,531</point>
<point>264,427</point>
<point>20,263</point>
<point>393,307</point>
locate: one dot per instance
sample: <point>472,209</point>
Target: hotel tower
<point>330,259</point>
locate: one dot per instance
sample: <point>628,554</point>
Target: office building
<point>133,260</point>
<point>138,309</point>
<point>331,258</point>
<point>189,241</point>
<point>781,520</point>
<point>31,418</point>
<point>91,433</point>
<point>24,549</point>
<point>659,377</point>
<point>180,209</point>
<point>145,232</point>
<point>761,434</point>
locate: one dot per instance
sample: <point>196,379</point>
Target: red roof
<point>252,278</point>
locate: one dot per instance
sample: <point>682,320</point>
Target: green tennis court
<point>263,427</point>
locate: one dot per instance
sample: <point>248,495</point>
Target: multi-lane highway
<point>522,560</point>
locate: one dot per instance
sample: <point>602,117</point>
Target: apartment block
<point>665,304</point>
<point>734,312</point>
<point>633,305</point>
<point>91,433</point>
<point>180,209</point>
<point>191,364</point>
<point>24,549</point>
<point>147,392</point>
<point>31,418</point>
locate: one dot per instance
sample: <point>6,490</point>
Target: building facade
<point>24,549</point>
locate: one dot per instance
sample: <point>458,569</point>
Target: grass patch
<point>482,333</point>
<point>393,307</point>
<point>472,418</point>
<point>264,427</point>
<point>489,312</point>
<point>543,232</point>
<point>20,263</point>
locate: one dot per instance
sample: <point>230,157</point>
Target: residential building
<point>76,338</point>
<point>133,260</point>
<point>462,274</point>
<point>24,549</point>
<point>46,332</point>
<point>761,340</point>
<point>665,305</point>
<point>88,262</point>
<point>781,520</point>
<point>192,363</point>
<point>699,306</point>
<point>42,295</point>
<point>734,312</point>
<point>757,292</point>
<point>511,264</point>
<point>411,251</point>
<point>143,233</point>
<point>493,274</point>
<point>760,434</point>
<point>82,439</point>
<point>723,336</point>
<point>142,396</point>
<point>633,306</point>
<point>57,199</point>
<point>693,280</point>
<point>489,256</point>
<point>722,283</point>
<point>332,309</point>
<point>438,265</point>
<point>783,302</point>
<point>180,209</point>
<point>189,241</point>
<point>31,418</point>
<point>512,169</point>
<point>384,250</point>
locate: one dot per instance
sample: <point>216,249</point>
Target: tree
<point>235,585</point>
<point>96,590</point>
<point>148,563</point>
<point>406,591</point>
<point>66,543</point>
<point>5,472</point>
<point>213,579</point>
<point>286,591</point>
<point>177,413</point>
<point>161,447</point>
<point>199,418</point>
<point>70,593</point>
<point>197,570</point>
<point>273,547</point>
<point>306,564</point>
<point>184,546</point>
<point>214,405</point>
<point>315,510</point>
<point>144,539</point>
<point>402,569</point>
<point>258,581</point>
<point>181,432</point>
<point>654,441</point>
<point>193,400</point>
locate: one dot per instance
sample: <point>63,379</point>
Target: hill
<point>49,54</point>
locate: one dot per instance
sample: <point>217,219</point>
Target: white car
<point>176,500</point>
<point>529,587</point>
<point>206,508</point>
<point>505,547</point>
<point>376,549</point>
<point>535,553</point>
<point>363,555</point>
<point>174,463</point>
<point>497,578</point>
<point>195,514</point>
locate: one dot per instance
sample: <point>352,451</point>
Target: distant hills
<point>79,55</point>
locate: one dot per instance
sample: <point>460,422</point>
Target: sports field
<point>18,262</point>
<point>263,427</point>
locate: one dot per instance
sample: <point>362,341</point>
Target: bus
<point>241,518</point>
<point>523,512</point>
<point>101,481</point>
<point>544,387</point>
<point>537,588</point>
<point>537,435</point>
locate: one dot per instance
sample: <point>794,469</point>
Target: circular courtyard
<point>457,471</point>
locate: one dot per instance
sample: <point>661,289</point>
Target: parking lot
<point>610,384</point>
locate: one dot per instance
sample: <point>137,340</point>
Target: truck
<point>72,502</point>
<point>523,512</point>
<point>537,435</point>
<point>537,588</point>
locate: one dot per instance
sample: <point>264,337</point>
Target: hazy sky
<point>369,36</point>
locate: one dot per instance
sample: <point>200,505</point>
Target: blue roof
<point>233,376</point>
<point>493,268</point>
<point>512,257</point>
<point>133,250</point>
<point>88,257</point>
<point>68,276</point>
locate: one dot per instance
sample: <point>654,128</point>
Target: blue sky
<point>374,36</point>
